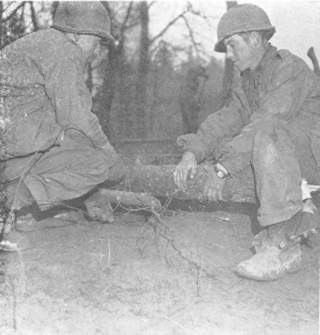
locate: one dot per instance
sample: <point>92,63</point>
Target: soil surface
<point>159,275</point>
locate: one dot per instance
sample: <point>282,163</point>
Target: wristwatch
<point>221,171</point>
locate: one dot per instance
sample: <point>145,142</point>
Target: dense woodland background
<point>141,83</point>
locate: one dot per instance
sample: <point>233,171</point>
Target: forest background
<point>139,83</point>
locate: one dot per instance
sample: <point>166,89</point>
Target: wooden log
<point>131,199</point>
<point>158,181</point>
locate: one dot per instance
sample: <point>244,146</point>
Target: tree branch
<point>107,7</point>
<point>151,3</point>
<point>5,9</point>
<point>13,12</point>
<point>33,16</point>
<point>125,20</point>
<point>22,13</point>
<point>2,10</point>
<point>172,22</point>
<point>191,35</point>
<point>129,9</point>
<point>132,25</point>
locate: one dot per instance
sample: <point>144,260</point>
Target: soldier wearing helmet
<point>55,148</point>
<point>270,129</point>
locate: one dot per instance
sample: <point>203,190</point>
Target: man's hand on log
<point>186,167</point>
<point>213,186</point>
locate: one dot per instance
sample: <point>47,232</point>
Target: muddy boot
<point>300,227</point>
<point>99,208</point>
<point>278,248</point>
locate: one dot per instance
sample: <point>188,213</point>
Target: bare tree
<point>144,56</point>
<point>228,71</point>
<point>143,69</point>
<point>112,66</point>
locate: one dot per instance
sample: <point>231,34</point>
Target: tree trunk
<point>143,69</point>
<point>228,72</point>
<point>1,32</point>
<point>54,7</point>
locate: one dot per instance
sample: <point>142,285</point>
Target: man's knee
<point>117,172</point>
<point>18,195</point>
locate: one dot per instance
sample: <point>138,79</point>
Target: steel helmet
<point>240,19</point>
<point>83,17</point>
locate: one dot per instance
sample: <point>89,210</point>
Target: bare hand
<point>186,167</point>
<point>213,186</point>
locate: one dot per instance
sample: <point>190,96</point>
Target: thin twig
<point>14,304</point>
<point>171,23</point>
<point>191,35</point>
<point>109,254</point>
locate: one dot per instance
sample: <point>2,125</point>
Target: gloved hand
<point>213,186</point>
<point>186,167</point>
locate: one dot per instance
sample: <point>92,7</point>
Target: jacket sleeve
<point>66,88</point>
<point>218,127</point>
<point>287,91</point>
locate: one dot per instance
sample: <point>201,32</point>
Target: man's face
<point>240,52</point>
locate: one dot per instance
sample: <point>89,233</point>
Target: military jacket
<point>282,89</point>
<point>42,92</point>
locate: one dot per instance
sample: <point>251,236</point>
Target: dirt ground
<point>169,275</point>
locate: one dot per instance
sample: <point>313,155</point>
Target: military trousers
<point>280,155</point>
<point>66,171</point>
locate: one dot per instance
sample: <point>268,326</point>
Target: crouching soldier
<point>271,125</point>
<point>53,146</point>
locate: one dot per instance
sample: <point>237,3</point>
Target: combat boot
<point>278,248</point>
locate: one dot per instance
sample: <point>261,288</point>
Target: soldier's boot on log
<point>278,248</point>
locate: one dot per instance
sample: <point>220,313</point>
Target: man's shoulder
<point>45,48</point>
<point>290,60</point>
<point>45,42</point>
<point>284,65</point>
<point>43,36</point>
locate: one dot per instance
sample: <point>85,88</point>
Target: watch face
<point>220,174</point>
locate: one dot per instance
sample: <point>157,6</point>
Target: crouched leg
<point>65,172</point>
<point>278,174</point>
